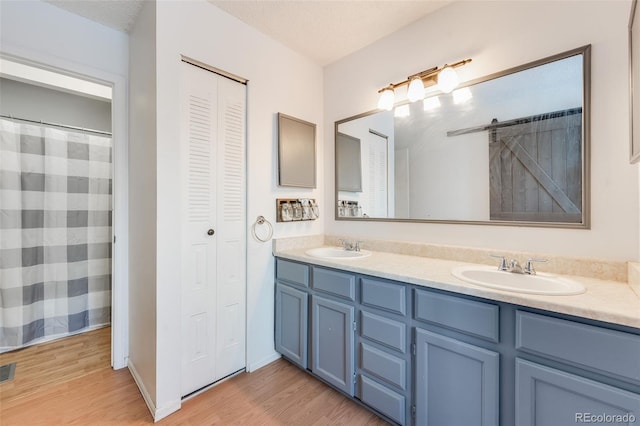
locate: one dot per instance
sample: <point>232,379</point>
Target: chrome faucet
<point>528,267</point>
<point>503,262</point>
<point>514,266</point>
<point>350,245</point>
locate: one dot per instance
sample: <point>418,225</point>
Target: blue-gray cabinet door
<point>332,342</point>
<point>292,324</point>
<point>456,383</point>
<point>549,397</point>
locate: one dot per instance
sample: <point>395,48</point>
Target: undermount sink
<point>337,253</point>
<point>541,283</point>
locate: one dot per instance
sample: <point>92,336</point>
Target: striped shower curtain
<point>55,233</point>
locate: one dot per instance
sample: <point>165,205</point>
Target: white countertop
<point>607,301</point>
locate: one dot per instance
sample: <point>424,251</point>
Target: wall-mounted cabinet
<point>419,356</point>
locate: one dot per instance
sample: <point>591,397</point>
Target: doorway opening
<point>56,198</point>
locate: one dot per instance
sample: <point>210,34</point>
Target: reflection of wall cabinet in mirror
<point>348,163</point>
<point>296,152</point>
<point>509,148</point>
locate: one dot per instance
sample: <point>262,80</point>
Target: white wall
<point>143,199</point>
<point>498,35</point>
<point>279,81</point>
<point>39,103</point>
<point>41,34</point>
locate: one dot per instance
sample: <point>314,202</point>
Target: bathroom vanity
<point>437,352</point>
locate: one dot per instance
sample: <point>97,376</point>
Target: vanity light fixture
<point>445,78</point>
<point>416,89</point>
<point>387,99</point>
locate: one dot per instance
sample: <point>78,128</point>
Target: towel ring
<point>261,221</point>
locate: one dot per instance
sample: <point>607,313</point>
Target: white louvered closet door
<point>377,166</point>
<point>213,248</point>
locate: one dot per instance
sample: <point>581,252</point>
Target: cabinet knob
<point>211,232</point>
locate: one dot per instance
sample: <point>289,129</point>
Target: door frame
<point>120,172</point>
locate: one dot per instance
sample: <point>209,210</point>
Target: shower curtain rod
<point>64,126</point>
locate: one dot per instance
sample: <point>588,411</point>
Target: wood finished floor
<point>70,382</point>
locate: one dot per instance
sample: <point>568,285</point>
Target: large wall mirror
<point>511,148</point>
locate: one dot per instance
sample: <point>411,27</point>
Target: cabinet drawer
<point>384,330</point>
<point>384,295</point>
<point>333,282</point>
<point>595,348</point>
<point>386,401</point>
<point>383,366</point>
<point>466,316</point>
<point>292,272</point>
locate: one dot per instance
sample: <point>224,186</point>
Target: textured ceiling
<point>327,30</point>
<point>117,14</point>
<point>322,30</point>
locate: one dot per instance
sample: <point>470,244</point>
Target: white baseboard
<point>122,364</point>
<point>157,413</point>
<point>143,390</point>
<point>163,412</point>
<point>264,361</point>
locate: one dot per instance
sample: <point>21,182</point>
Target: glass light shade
<point>461,96</point>
<point>387,99</point>
<point>402,111</point>
<point>431,103</point>
<point>447,79</point>
<point>416,90</point>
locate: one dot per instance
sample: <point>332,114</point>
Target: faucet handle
<point>503,262</point>
<point>528,267</point>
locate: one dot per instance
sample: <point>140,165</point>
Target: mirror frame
<point>585,51</point>
<point>634,83</point>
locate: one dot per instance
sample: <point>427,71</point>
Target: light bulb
<point>447,79</point>
<point>387,99</point>
<point>416,90</point>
